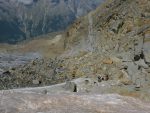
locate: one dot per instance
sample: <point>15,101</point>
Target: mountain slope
<point>116,21</point>
<point>21,19</point>
<point>109,48</point>
<point>113,42</point>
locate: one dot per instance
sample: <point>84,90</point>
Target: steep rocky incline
<point>106,52</point>
<point>110,43</point>
<point>113,41</point>
<point>22,19</point>
<point>119,28</point>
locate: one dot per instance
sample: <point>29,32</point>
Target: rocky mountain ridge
<point>113,42</point>
<point>106,52</point>
<point>110,43</point>
<point>23,19</point>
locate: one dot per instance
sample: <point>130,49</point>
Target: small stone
<point>126,80</point>
<point>105,78</point>
<point>137,57</point>
<point>125,67</point>
<point>108,61</point>
<point>36,82</point>
<point>116,60</point>
<point>99,78</point>
<point>116,25</point>
<point>71,86</point>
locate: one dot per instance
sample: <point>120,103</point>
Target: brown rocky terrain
<point>108,50</point>
<point>113,41</point>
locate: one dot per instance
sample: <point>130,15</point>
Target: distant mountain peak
<point>30,20</point>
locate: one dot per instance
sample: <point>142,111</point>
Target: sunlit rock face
<point>25,102</point>
<point>23,19</point>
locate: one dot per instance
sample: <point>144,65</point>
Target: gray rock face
<point>25,101</point>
